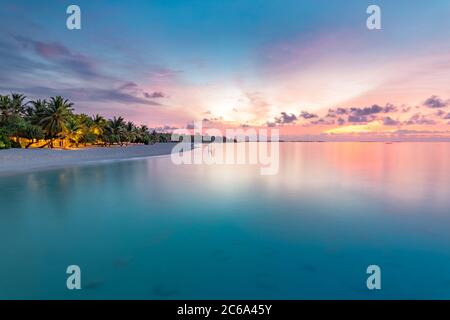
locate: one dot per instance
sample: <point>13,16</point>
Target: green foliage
<point>54,119</point>
<point>31,131</point>
<point>5,143</point>
<point>15,144</point>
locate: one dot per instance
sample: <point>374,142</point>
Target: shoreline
<point>17,161</point>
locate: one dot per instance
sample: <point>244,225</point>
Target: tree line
<point>45,122</point>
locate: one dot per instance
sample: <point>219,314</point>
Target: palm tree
<point>5,108</point>
<point>143,134</point>
<point>98,125</point>
<point>12,110</point>
<point>36,111</point>
<point>73,131</point>
<point>17,105</point>
<point>131,132</point>
<point>56,117</point>
<point>32,133</point>
<point>115,131</point>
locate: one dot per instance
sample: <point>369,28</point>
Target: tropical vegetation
<point>53,123</point>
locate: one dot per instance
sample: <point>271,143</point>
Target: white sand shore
<point>14,161</point>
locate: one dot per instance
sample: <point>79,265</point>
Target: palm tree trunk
<point>43,146</point>
<point>29,144</point>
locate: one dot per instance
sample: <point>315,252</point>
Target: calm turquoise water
<point>148,229</point>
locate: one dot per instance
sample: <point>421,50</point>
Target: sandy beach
<point>13,161</point>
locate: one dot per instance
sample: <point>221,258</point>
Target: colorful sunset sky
<point>308,67</point>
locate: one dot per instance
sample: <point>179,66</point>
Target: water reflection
<point>152,229</point>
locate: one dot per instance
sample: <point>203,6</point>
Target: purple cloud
<point>357,119</point>
<point>419,119</point>
<point>61,56</point>
<point>307,115</point>
<point>84,94</point>
<point>323,122</point>
<point>333,113</point>
<point>286,118</point>
<point>435,102</point>
<point>154,95</point>
<point>340,121</point>
<point>388,121</point>
<point>361,112</point>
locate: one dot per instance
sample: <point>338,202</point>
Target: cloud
<point>419,119</point>
<point>61,56</point>
<point>374,109</point>
<point>15,65</point>
<point>154,95</point>
<point>387,115</point>
<point>129,86</point>
<point>118,96</point>
<point>388,121</point>
<point>406,132</point>
<point>440,113</point>
<point>84,94</point>
<point>165,128</point>
<point>212,119</point>
<point>357,119</point>
<point>435,102</point>
<point>390,108</point>
<point>307,115</point>
<point>360,114</point>
<point>160,74</point>
<point>406,109</point>
<point>323,122</point>
<point>333,113</point>
<point>28,63</point>
<point>286,118</point>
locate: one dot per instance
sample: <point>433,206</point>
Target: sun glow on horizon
<point>374,126</point>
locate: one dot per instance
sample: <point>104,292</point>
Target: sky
<point>310,68</point>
